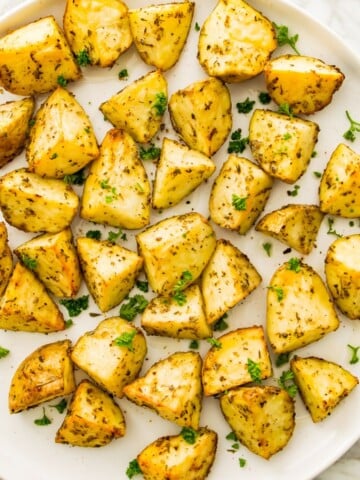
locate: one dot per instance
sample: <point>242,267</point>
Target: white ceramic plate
<point>29,451</point>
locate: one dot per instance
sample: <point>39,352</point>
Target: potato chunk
<point>45,374</point>
<point>34,57</point>
<point>6,259</point>
<point>235,41</point>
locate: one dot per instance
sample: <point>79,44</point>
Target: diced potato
<point>14,127</point>
<point>299,308</point>
<point>36,204</point>
<point>98,31</point>
<point>228,278</point>
<point>62,140</point>
<point>160,32</point>
<point>228,362</point>
<point>296,225</point>
<point>109,270</point>
<point>305,83</point>
<point>112,354</point>
<point>262,417</point>
<point>3,236</point>
<point>235,41</point>
<point>27,306</point>
<point>139,107</point>
<point>239,194</point>
<point>171,387</point>
<point>117,189</point>
<point>179,172</point>
<point>34,58</point>
<point>176,247</point>
<point>93,418</point>
<point>6,259</point>
<point>53,258</point>
<point>45,374</point>
<point>322,384</point>
<point>282,145</point>
<point>339,191</point>
<point>168,317</point>
<point>173,457</point>
<point>201,114</point>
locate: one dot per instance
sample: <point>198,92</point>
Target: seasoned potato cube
<point>139,107</point>
<point>282,145</point>
<point>176,250</point>
<point>228,362</point>
<point>171,387</point>
<point>53,258</point>
<point>112,354</point>
<point>109,270</point>
<point>239,194</point>
<point>339,191</point>
<point>299,308</point>
<point>305,83</point>
<point>322,384</point>
<point>14,127</point>
<point>160,32</point>
<point>45,374</point>
<point>296,225</point>
<point>35,204</point>
<point>235,41</point>
<point>180,171</point>
<point>6,259</point>
<point>228,278</point>
<point>34,57</point>
<point>93,418</point>
<point>174,458</point>
<point>98,31</point>
<point>117,189</point>
<point>201,115</point>
<point>262,417</point>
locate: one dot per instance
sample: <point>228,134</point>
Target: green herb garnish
<point>285,109</point>
<point>221,325</point>
<point>283,37</point>
<point>317,174</point>
<point>242,462</point>
<point>189,435</point>
<point>113,236</point>
<point>282,358</point>
<point>142,285</point>
<point>44,420</point>
<point>123,74</point>
<point>4,352</point>
<point>331,230</point>
<point>135,305</point>
<point>77,178</point>
<point>194,344</point>
<point>354,354</point>
<point>75,306</point>
<point>61,80</point>
<point>286,381</point>
<point>237,143</point>
<point>231,436</point>
<point>133,469</point>
<point>294,192</point>
<point>214,342</point>
<point>267,247</point>
<point>197,27</point>
<point>350,134</point>
<point>279,292</point>
<point>151,153</point>
<point>125,339</point>
<point>53,156</point>
<point>294,264</point>
<point>178,295</point>
<point>160,103</point>
<point>30,263</point>
<point>239,203</point>
<point>264,98</point>
<point>246,106</point>
<point>254,370</point>
<point>61,406</point>
<point>95,234</point>
<point>83,59</point>
<point>69,323</point>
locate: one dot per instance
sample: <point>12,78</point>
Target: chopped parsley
<point>135,305</point>
<point>4,352</point>
<point>214,342</point>
<point>237,143</point>
<point>69,323</point>
<point>83,58</point>
<point>294,264</point>
<point>189,435</point>
<point>112,194</point>
<point>178,295</point>
<point>44,420</point>
<point>221,325</point>
<point>354,354</point>
<point>53,156</point>
<point>254,370</point>
<point>282,358</point>
<point>194,344</point>
<point>287,136</point>
<point>142,285</point>
<point>231,436</point>
<point>30,263</point>
<point>126,339</point>
<point>151,153</point>
<point>286,381</point>
<point>246,106</point>
<point>113,236</point>
<point>133,469</point>
<point>61,80</point>
<point>95,234</point>
<point>197,27</point>
<point>279,292</point>
<point>75,306</point>
<point>267,246</point>
<point>61,406</point>
<point>285,109</point>
<point>239,203</point>
<point>350,134</point>
<point>77,178</point>
<point>294,192</point>
<point>283,37</point>
<point>264,98</point>
<point>317,174</point>
<point>242,462</point>
<point>331,230</point>
<point>123,74</point>
<point>160,103</point>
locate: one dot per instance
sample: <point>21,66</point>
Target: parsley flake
<point>61,80</point>
<point>286,381</point>
<point>95,234</point>
<point>77,178</point>
<point>285,109</point>
<point>61,406</point>
<point>123,74</point>
<point>75,306</point>
<point>283,37</point>
<point>242,462</point>
<point>317,174</point>
<point>221,325</point>
<point>30,263</point>
<point>246,106</point>
<point>237,143</point>
<point>178,295</point>
<point>350,134</point>
<point>160,103</point>
<point>214,342</point>
<point>125,340</point>
<point>279,292</point>
<point>282,358</point>
<point>83,58</point>
<point>294,264</point>
<point>4,352</point>
<point>189,435</point>
<point>254,370</point>
<point>267,246</point>
<point>151,153</point>
<point>135,305</point>
<point>239,203</point>
<point>133,469</point>
<point>114,235</point>
<point>331,230</point>
<point>231,436</point>
<point>294,192</point>
<point>197,27</point>
<point>194,344</point>
<point>44,420</point>
<point>142,285</point>
<point>264,98</point>
<point>69,323</point>
<point>354,354</point>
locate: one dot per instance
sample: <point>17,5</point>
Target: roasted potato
<point>36,204</point>
<point>35,58</point>
<point>171,387</point>
<point>305,83</point>
<point>98,31</point>
<point>45,374</point>
<point>322,384</point>
<point>6,259</point>
<point>112,354</point>
<point>109,270</point>
<point>235,41</point>
<point>93,418</point>
<point>239,194</point>
<point>117,189</point>
<point>261,416</point>
<point>160,32</point>
<point>299,308</point>
<point>176,250</point>
<point>201,114</point>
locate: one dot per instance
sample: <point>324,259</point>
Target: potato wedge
<point>171,387</point>
<point>35,57</point>
<point>109,270</point>
<point>201,114</point>
<point>112,354</point>
<point>6,259</point>
<point>173,457</point>
<point>262,417</point>
<point>98,32</point>
<point>299,307</point>
<point>235,41</point>
<point>322,384</point>
<point>45,374</point>
<point>117,189</point>
<point>239,194</point>
<point>305,83</point>
<point>35,204</point>
<point>160,32</point>
<point>93,418</point>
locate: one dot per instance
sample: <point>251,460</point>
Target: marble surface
<point>343,18</point>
